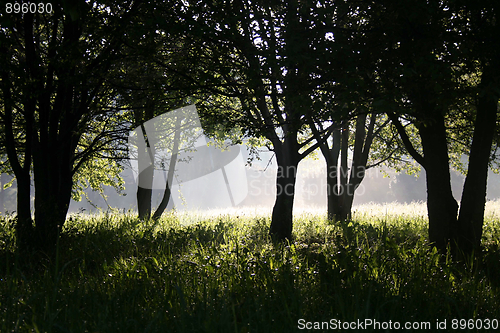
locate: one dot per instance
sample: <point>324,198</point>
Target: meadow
<point>113,273</point>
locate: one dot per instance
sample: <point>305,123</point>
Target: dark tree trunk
<point>163,204</point>
<point>441,205</point>
<point>355,179</point>
<point>171,170</point>
<point>337,178</point>
<point>342,185</point>
<point>53,152</point>
<point>287,157</point>
<point>332,197</point>
<point>351,178</point>
<point>53,184</point>
<point>340,201</point>
<point>468,233</point>
<point>24,226</point>
<point>2,194</point>
<point>146,157</point>
<point>344,173</point>
<point>442,208</point>
<point>358,165</point>
<point>332,158</point>
<point>146,161</point>
<point>362,144</point>
<point>144,199</point>
<point>51,207</point>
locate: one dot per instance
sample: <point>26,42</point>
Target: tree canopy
<point>294,74</point>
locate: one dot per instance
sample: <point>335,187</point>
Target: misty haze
<point>378,187</point>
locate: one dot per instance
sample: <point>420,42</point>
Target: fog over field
<point>378,188</point>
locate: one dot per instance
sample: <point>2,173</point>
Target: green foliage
<point>95,174</point>
<point>8,184</point>
<point>58,109</point>
<point>115,274</point>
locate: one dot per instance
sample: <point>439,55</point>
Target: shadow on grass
<point>113,273</point>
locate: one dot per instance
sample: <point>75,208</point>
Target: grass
<point>114,274</point>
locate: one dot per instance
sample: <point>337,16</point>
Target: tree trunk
<point>362,144</point>
<point>333,200</point>
<point>468,233</point>
<point>343,176</point>
<point>441,205</point>
<point>144,198</point>
<point>51,207</point>
<point>282,217</point>
<point>332,158</point>
<point>2,194</point>
<point>442,208</point>
<point>146,161</point>
<point>341,198</point>
<point>352,182</point>
<point>171,170</point>
<point>24,226</point>
<point>53,184</point>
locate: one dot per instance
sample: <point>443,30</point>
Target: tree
<point>266,56</point>
<point>145,89</point>
<point>54,95</point>
<point>347,102</point>
<point>429,52</point>
<point>342,180</point>
<point>158,75</point>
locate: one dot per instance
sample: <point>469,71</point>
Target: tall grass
<point>115,274</point>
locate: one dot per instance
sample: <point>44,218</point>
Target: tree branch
<point>406,140</point>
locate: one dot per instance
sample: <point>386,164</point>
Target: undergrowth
<point>116,274</point>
